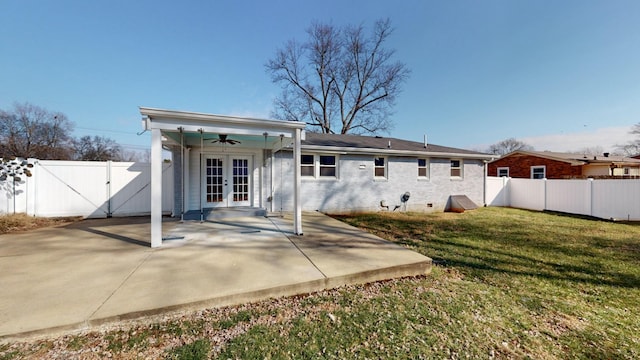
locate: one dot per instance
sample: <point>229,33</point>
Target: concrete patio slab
<point>97,271</point>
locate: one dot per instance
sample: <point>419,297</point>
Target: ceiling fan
<point>222,139</point>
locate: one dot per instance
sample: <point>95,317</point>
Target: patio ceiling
<point>192,139</point>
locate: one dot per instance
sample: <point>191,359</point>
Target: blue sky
<point>560,75</point>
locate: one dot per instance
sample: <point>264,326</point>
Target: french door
<point>227,181</point>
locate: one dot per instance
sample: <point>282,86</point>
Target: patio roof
<point>184,128</point>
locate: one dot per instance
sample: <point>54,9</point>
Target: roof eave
<point>541,154</point>
<point>376,151</point>
<point>224,119</point>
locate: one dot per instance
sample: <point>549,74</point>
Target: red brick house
<point>554,165</point>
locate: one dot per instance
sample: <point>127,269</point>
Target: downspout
<point>181,173</point>
<point>271,182</point>
<point>201,159</point>
<point>297,217</point>
<point>281,193</point>
<point>484,183</point>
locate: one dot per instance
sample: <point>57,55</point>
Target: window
<point>423,168</point>
<point>328,165</point>
<point>456,168</point>
<point>538,172</point>
<point>307,167</point>
<point>380,167</point>
<point>318,166</point>
<point>503,172</point>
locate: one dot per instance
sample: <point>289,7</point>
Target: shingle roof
<point>381,143</point>
<point>578,159</point>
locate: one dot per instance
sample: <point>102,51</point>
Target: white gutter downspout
<point>297,214</point>
<point>484,184</point>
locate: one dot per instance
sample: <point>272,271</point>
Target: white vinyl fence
<point>606,199</point>
<point>91,189</point>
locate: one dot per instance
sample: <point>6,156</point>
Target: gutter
<point>173,115</point>
<point>375,151</point>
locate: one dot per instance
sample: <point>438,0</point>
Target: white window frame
<point>316,166</point>
<point>502,169</point>
<point>460,167</point>
<point>334,166</point>
<point>385,167</point>
<point>312,166</point>
<point>425,167</point>
<point>544,171</point>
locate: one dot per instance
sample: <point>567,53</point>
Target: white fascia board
<point>170,120</point>
<point>373,151</point>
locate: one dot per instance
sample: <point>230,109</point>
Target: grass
<point>10,223</point>
<point>509,284</point>
<point>512,284</point>
<point>196,350</point>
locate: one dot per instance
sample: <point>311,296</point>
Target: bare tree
<point>98,148</point>
<point>136,155</point>
<point>31,131</point>
<point>591,150</point>
<point>632,148</point>
<point>508,145</point>
<point>339,80</point>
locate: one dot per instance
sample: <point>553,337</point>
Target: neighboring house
<point>223,161</point>
<point>555,165</point>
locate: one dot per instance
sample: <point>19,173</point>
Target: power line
<point>106,130</point>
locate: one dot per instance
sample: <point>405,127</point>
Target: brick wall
<point>520,167</point>
<point>356,189</point>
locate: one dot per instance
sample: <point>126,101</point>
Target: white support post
<point>156,188</point>
<point>297,212</point>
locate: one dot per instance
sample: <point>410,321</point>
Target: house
<point>556,165</point>
<point>350,173</point>
<point>225,161</point>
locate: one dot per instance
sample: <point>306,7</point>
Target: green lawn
<point>508,284</point>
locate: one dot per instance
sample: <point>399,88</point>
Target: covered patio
<point>221,162</point>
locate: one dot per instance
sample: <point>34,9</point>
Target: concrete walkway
<point>97,271</point>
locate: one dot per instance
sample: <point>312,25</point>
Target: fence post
<point>108,166</point>
<point>544,207</point>
<point>30,189</point>
<point>590,196</point>
<point>505,189</point>
<point>36,171</point>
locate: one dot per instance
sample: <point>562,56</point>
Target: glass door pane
<point>214,180</point>
<point>240,180</point>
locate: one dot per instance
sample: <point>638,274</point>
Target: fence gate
<point>88,189</point>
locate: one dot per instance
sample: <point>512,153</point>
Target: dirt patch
<point>11,223</point>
